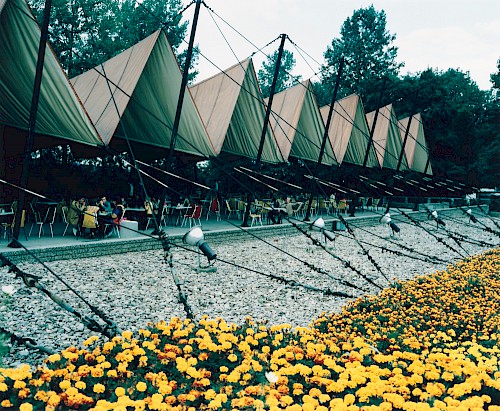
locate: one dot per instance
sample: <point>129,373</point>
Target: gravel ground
<point>136,288</point>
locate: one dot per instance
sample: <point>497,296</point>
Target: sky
<point>440,34</point>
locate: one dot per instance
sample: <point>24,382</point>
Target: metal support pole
<point>327,128</point>
<point>372,131</point>
<point>266,121</point>
<point>182,91</point>
<point>32,122</point>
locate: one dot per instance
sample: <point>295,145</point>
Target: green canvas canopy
<point>416,148</point>
<point>297,124</point>
<point>349,133</point>
<point>232,109</point>
<point>141,86</point>
<point>61,117</point>
<point>386,138</point>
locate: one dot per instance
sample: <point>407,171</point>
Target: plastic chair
<point>229,210</point>
<point>214,208</point>
<point>9,227</point>
<point>241,209</point>
<point>52,221</point>
<point>342,206</point>
<point>195,215</point>
<point>40,221</point>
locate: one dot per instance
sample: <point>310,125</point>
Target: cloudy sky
<point>440,34</point>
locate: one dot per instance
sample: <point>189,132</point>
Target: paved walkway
<point>144,239</point>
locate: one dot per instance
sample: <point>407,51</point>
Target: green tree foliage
<point>495,79</point>
<point>285,78</point>
<point>367,47</point>
<point>459,122</point>
<point>85,33</point>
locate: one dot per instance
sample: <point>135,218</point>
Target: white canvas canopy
<point>386,138</point>
<point>60,113</point>
<point>416,148</point>
<point>349,133</point>
<point>141,86</point>
<point>232,109</point>
<point>297,124</point>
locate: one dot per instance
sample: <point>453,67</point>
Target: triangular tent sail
<point>60,113</point>
<point>386,139</point>
<point>297,124</point>
<point>349,133</point>
<point>231,106</point>
<point>416,148</point>
<point>145,82</point>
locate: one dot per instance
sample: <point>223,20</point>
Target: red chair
<point>195,215</point>
<point>214,208</point>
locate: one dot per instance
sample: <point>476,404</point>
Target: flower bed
<point>426,344</point>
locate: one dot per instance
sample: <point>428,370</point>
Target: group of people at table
<point>101,215</point>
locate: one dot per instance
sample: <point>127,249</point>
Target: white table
<point>129,228</point>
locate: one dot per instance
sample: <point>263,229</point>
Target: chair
<point>298,210</point>
<point>229,210</point>
<point>241,209</point>
<point>166,212</point>
<point>214,208</point>
<point>9,227</point>
<point>322,206</point>
<point>195,215</point>
<point>363,201</point>
<point>40,221</point>
<point>342,206</point>
<point>255,216</point>
<point>52,221</point>
<point>333,206</point>
<point>64,213</point>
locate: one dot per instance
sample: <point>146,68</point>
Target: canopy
<point>349,133</point>
<point>416,148</point>
<point>297,124</point>
<point>386,139</point>
<point>142,90</point>
<point>232,109</point>
<point>60,113</point>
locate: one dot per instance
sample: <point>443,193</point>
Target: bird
<point>436,218</point>
<point>471,217</point>
<point>395,229</point>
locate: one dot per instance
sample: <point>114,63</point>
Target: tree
<point>495,79</point>
<point>366,45</point>
<point>285,78</point>
<point>85,33</point>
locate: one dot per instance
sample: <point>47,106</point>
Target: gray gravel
<point>136,288</point>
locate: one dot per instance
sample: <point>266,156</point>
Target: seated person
<point>75,214</point>
<point>275,215</point>
<point>105,206</point>
<point>111,219</point>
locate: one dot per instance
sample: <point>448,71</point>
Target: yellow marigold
<point>232,357</point>
<point>64,384</point>
<point>26,407</point>
<point>54,358</point>
<point>6,404</point>
<point>80,385</point>
<point>99,388</point>
<point>119,391</point>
